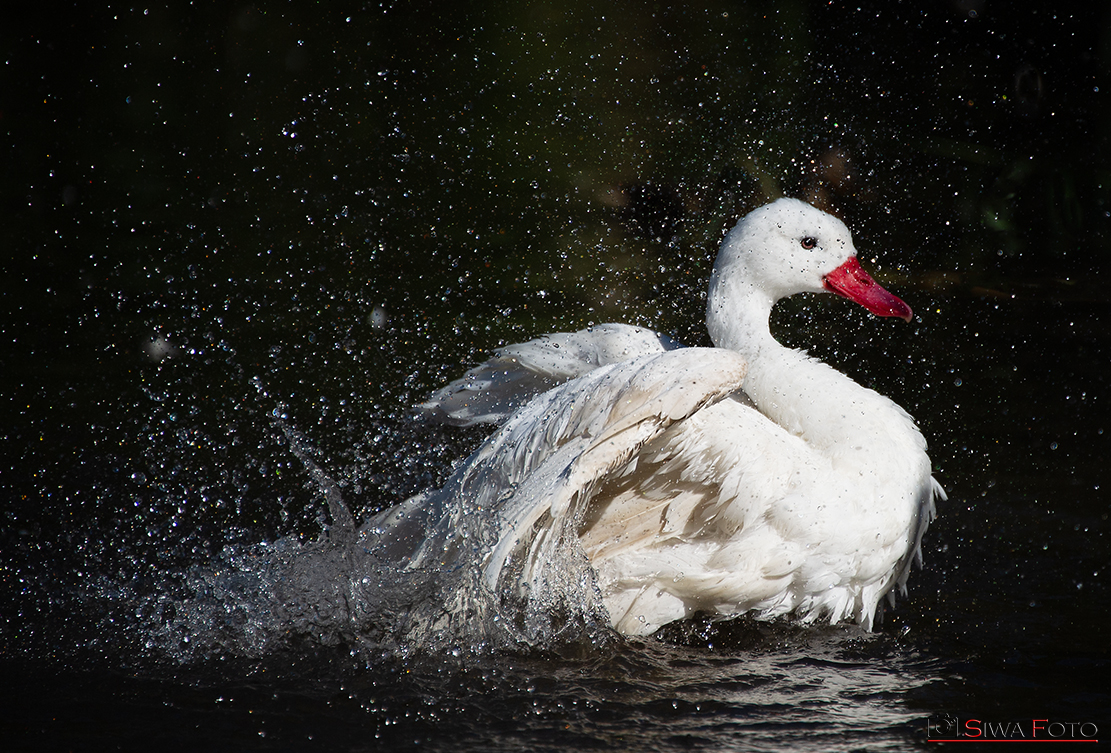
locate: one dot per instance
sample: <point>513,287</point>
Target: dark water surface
<point>242,243</point>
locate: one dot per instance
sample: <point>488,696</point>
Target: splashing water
<point>409,580</point>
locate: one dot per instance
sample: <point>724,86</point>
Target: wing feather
<point>494,390</point>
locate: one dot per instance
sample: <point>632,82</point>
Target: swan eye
<point>809,242</point>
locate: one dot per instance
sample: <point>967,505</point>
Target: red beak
<point>851,281</point>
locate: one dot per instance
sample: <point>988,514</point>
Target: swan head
<point>789,247</point>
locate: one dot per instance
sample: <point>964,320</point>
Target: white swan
<point>688,484</point>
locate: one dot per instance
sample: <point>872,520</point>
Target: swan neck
<point>737,316</point>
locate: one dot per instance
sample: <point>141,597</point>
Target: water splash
<point>410,580</point>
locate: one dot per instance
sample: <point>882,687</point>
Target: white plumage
<point>742,478</point>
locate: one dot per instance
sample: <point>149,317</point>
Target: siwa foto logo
<point>947,728</point>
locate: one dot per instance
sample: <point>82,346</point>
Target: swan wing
<point>494,390</point>
<point>511,513</point>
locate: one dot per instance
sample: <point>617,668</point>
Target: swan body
<point>747,477</point>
